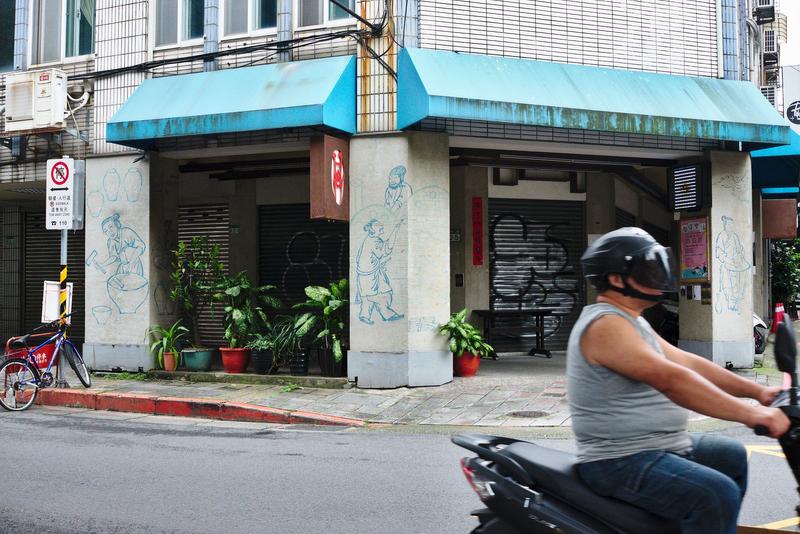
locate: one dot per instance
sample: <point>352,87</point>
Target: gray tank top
<point>612,415</point>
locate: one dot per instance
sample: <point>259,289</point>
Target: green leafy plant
<point>196,271</point>
<point>166,340</point>
<point>244,307</point>
<point>785,270</point>
<point>301,328</point>
<point>464,337</point>
<point>331,305</point>
<point>288,388</point>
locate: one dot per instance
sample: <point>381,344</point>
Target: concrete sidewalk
<point>514,391</point>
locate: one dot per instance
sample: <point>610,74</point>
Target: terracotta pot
<point>235,361</point>
<point>466,365</point>
<point>170,361</point>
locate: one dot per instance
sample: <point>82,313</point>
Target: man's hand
<point>773,419</point>
<point>768,394</point>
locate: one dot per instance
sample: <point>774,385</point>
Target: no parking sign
<point>64,194</point>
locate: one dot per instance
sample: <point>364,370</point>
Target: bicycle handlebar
<point>51,324</point>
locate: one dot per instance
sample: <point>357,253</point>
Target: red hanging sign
<point>329,178</point>
<point>477,231</point>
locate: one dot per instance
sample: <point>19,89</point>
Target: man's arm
<point>612,342</point>
<point>722,378</point>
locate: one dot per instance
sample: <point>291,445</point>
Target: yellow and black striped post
<point>62,294</point>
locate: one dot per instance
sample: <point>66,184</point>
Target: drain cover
<point>527,414</point>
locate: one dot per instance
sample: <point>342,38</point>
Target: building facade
<point>489,142</point>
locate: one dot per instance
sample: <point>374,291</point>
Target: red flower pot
<point>466,365</point>
<point>235,361</point>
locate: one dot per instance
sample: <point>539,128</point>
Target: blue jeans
<point>703,489</point>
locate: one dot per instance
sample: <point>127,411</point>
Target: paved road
<point>99,473</point>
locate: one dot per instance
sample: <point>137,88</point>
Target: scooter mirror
<point>786,347</point>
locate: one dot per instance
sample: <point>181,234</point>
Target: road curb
<point>186,407</point>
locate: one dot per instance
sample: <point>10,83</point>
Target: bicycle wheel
<point>71,354</point>
<point>19,380</point>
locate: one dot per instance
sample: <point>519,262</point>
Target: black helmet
<point>629,252</point>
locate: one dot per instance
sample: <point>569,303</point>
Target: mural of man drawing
<point>374,289</point>
<point>733,267</point>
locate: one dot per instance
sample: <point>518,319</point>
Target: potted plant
<point>300,326</point>
<point>262,353</point>
<point>329,325</point>
<point>466,344</point>
<point>244,315</point>
<point>165,344</point>
<point>197,269</point>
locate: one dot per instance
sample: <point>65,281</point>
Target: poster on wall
<point>694,250</point>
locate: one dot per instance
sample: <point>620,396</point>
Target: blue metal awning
<point>319,92</point>
<point>776,171</point>
<point>484,88</point>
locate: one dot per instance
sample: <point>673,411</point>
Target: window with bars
<point>62,28</point>
<point>178,20</point>
<point>243,16</point>
<point>318,12</point>
<point>769,41</point>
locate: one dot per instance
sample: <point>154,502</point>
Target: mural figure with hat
<point>374,288</point>
<point>398,191</point>
<point>127,285</point>
<point>733,266</point>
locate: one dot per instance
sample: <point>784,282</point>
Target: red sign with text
<point>477,231</point>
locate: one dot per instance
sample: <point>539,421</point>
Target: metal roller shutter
<point>624,218</point>
<point>10,273</point>
<point>295,251</point>
<point>41,260</point>
<point>212,221</point>
<point>534,250</point>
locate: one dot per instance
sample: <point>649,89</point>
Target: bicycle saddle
<point>20,342</point>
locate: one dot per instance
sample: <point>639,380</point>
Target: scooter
<point>527,488</point>
<point>760,332</point>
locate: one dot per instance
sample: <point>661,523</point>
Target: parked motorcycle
<point>527,488</point>
<point>760,332</point>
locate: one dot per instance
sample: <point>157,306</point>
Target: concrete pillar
<point>600,213</point>
<point>400,261</point>
<point>131,226</point>
<point>760,274</point>
<point>467,183</point>
<point>722,330</point>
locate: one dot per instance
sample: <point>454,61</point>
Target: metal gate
<point>213,222</point>
<point>10,273</point>
<point>534,252</point>
<point>41,259</point>
<point>295,251</point>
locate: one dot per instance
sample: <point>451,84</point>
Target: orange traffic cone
<point>777,316</point>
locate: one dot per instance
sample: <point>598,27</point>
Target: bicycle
<point>21,378</point>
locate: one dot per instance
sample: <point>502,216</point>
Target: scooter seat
<point>555,473</point>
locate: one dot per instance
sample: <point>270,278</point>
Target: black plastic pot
<point>262,361</point>
<point>298,364</point>
<point>328,364</point>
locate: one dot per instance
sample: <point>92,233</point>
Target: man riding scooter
<point>630,391</point>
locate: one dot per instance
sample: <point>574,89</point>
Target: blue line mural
<point>126,284</point>
<point>734,267</point>
<point>398,191</point>
<point>374,288</point>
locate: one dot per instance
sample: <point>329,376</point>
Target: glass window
<point>266,14</point>
<point>48,37</point>
<point>166,22</point>
<point>79,37</point>
<point>310,12</point>
<point>194,14</point>
<point>235,16</point>
<point>337,13</point>
<point>6,36</point>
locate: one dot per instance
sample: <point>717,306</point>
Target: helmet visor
<point>655,269</point>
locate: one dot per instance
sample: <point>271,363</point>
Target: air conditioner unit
<point>764,11</point>
<point>35,100</point>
